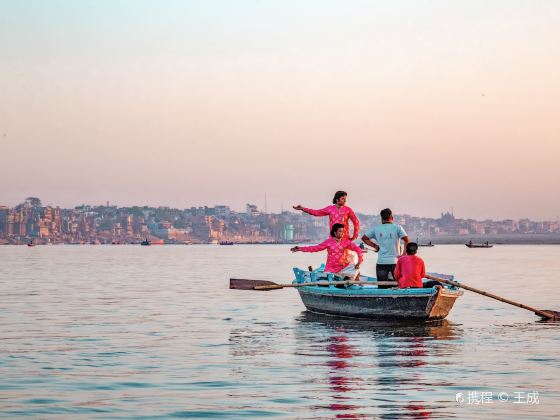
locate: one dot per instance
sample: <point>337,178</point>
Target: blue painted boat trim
<point>367,291</point>
<point>305,276</point>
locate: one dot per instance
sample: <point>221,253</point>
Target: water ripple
<point>125,332</point>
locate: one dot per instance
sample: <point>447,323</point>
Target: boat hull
<point>390,304</point>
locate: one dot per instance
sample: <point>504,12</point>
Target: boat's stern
<point>442,302</point>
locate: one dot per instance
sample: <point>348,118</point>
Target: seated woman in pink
<point>337,258</point>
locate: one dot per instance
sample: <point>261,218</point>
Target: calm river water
<point>130,331</point>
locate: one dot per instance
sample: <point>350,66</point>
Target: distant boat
<point>30,243</point>
<point>213,242</point>
<point>472,245</point>
<point>428,244</point>
<point>147,242</point>
<point>226,243</point>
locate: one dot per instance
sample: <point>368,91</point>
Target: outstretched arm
<point>315,248</point>
<point>356,224</point>
<point>312,212</point>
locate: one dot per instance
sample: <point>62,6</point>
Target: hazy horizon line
<point>108,203</point>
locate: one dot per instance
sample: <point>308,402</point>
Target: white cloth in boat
<point>348,271</point>
<point>352,257</point>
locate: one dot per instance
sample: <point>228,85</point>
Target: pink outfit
<point>338,215</point>
<point>337,258</point>
<point>409,271</point>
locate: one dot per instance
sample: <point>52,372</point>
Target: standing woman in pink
<point>338,213</point>
<point>337,257</point>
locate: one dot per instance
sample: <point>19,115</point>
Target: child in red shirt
<point>410,269</point>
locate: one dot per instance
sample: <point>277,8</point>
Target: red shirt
<point>409,271</point>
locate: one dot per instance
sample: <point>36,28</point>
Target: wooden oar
<point>547,314</point>
<point>245,284</point>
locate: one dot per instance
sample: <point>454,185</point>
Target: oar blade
<point>245,284</point>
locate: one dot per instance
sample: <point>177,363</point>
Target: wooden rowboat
<point>370,302</point>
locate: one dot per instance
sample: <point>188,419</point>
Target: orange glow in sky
<point>418,106</point>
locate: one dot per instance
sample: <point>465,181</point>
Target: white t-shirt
<point>387,236</point>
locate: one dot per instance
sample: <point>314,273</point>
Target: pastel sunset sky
<point>414,105</point>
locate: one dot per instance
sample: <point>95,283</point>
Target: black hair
<point>335,227</point>
<point>411,248</point>
<point>386,214</point>
<point>337,195</point>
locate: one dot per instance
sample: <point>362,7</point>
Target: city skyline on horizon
<point>242,209</point>
<point>32,222</point>
<point>416,106</point>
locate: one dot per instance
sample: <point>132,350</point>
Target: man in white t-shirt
<point>387,238</point>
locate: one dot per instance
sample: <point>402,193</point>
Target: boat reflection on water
<point>439,330</point>
<point>341,380</point>
<point>328,367</point>
<point>377,368</point>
